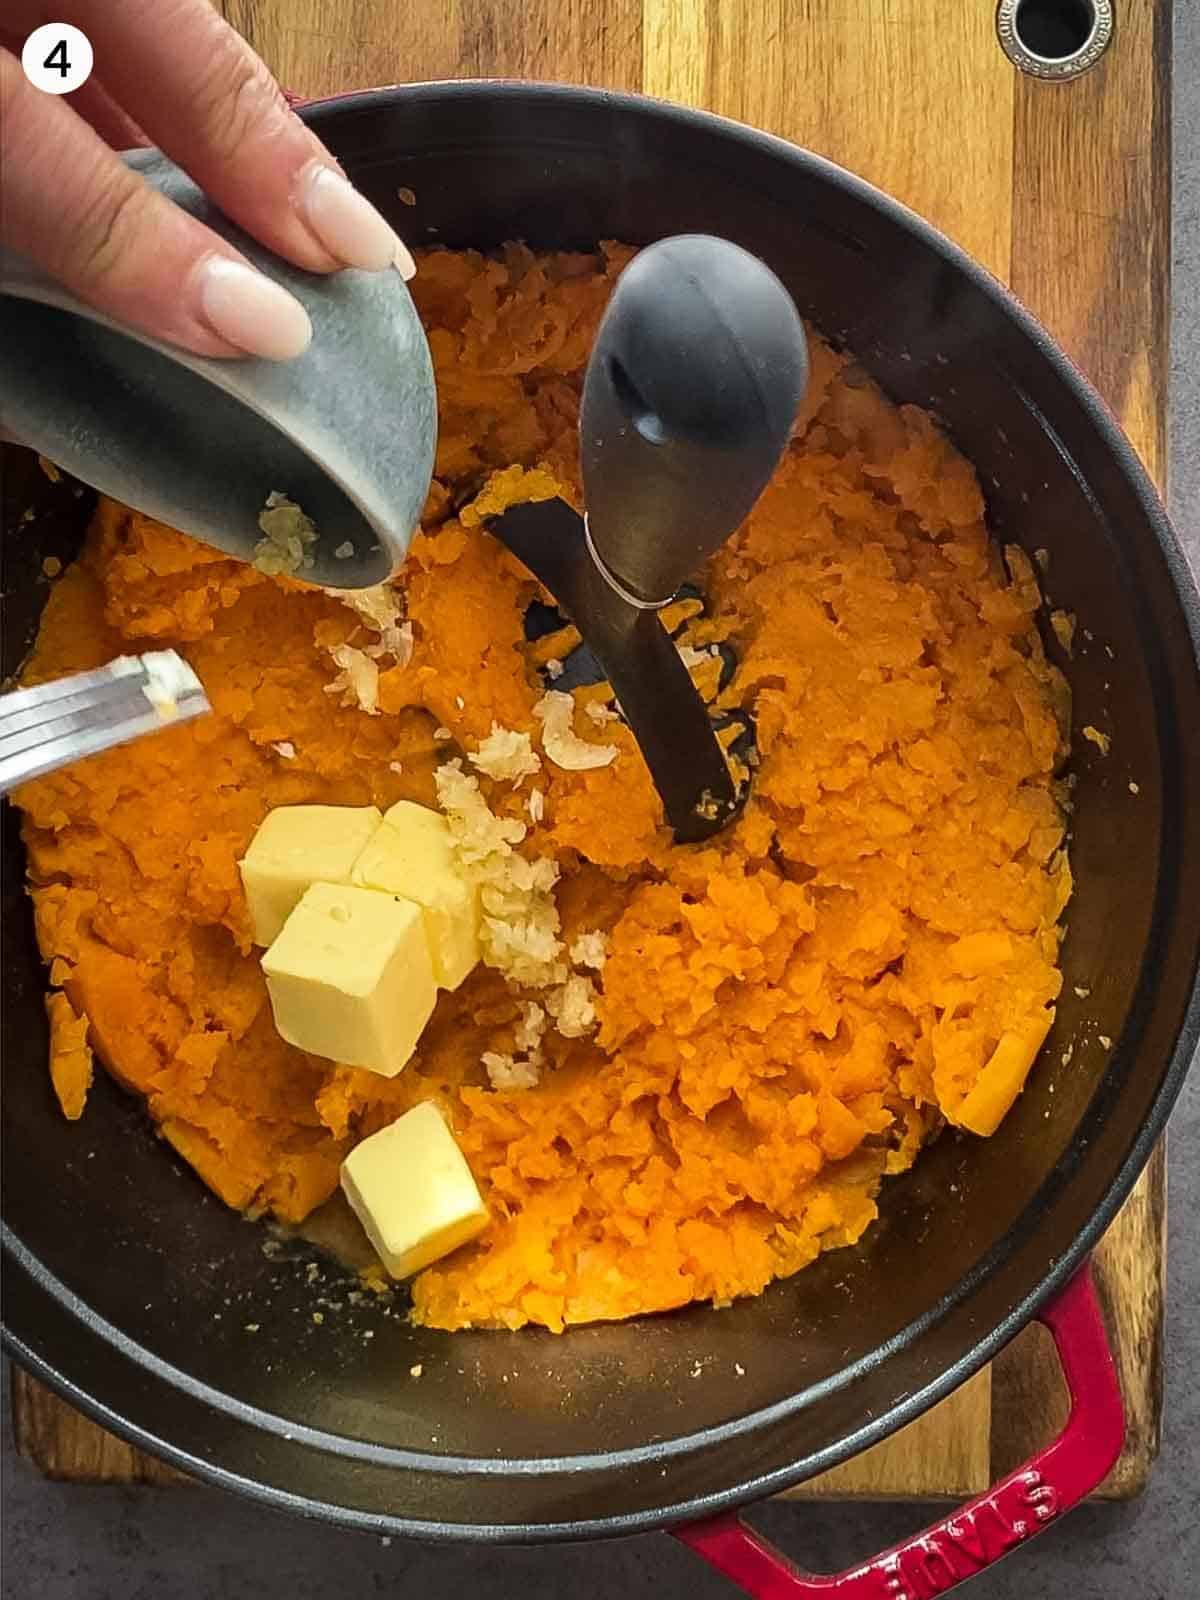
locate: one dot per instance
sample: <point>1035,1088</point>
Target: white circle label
<point>57,58</point>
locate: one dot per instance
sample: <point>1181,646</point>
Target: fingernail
<point>346,223</point>
<point>248,310</point>
<point>404,263</point>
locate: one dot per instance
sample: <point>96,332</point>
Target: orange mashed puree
<point>786,1014</point>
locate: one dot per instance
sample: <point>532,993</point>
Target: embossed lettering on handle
<point>963,1544</point>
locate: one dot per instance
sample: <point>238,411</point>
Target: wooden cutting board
<point>1062,190</point>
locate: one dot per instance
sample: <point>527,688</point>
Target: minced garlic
<point>531,1029</point>
<point>572,1005</point>
<point>506,1072</point>
<point>480,837</point>
<point>601,714</point>
<point>522,1071</point>
<point>519,932</point>
<point>556,712</point>
<point>590,949</point>
<point>358,681</point>
<point>691,657</point>
<point>519,927</point>
<point>288,537</point>
<point>380,609</point>
<point>520,923</point>
<point>378,606</point>
<point>506,755</point>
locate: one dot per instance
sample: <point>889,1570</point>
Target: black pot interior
<point>133,1286</point>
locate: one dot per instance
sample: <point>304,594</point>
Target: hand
<point>172,73</point>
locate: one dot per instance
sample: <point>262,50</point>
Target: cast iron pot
<point>129,1288</point>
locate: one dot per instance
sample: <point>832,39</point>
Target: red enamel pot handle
<point>972,1538</point>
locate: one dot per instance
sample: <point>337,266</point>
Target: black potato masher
<point>693,385</point>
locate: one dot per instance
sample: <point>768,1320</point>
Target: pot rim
<point>44,1286</point>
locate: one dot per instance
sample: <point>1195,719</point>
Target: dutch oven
<point>127,1285</point>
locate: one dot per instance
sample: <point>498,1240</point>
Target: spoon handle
<point>698,369</point>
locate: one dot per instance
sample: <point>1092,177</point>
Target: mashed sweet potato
<point>786,1015</point>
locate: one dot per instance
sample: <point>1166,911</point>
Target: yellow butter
<point>411,854</point>
<point>350,977</point>
<point>297,846</point>
<point>412,1190</point>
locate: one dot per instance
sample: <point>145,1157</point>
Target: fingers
<point>71,205</point>
<point>99,110</point>
<point>91,101</point>
<point>202,94</point>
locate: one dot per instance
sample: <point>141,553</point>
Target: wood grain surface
<point>1060,189</point>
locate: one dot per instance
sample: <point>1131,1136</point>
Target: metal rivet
<point>1055,39</point>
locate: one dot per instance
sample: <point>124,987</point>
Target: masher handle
<point>695,378</point>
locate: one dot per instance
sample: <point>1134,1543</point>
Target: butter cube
<point>297,846</point>
<point>412,1190</point>
<point>350,977</point>
<point>411,854</point>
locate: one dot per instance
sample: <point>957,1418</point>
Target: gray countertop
<point>64,1542</point>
